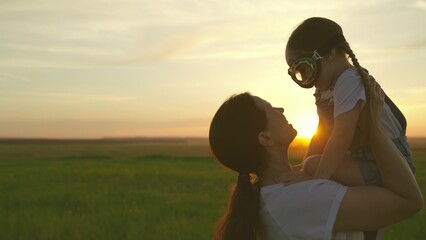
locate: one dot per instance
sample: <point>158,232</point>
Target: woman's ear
<point>265,139</point>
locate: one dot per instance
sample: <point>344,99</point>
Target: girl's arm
<point>318,141</point>
<point>367,207</point>
<point>339,142</point>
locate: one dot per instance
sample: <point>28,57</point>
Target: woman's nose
<point>280,109</point>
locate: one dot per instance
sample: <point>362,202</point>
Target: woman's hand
<point>375,105</point>
<point>369,119</point>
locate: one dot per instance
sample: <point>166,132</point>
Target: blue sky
<point>161,68</point>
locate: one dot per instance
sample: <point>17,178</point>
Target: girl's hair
<point>233,142</point>
<point>314,33</point>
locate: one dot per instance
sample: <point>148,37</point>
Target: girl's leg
<point>348,172</point>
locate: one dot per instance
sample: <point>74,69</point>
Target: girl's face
<point>278,127</point>
<point>325,77</point>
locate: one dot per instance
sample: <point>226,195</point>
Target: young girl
<point>317,53</point>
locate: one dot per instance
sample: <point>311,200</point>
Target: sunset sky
<point>107,68</point>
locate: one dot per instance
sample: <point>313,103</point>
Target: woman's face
<point>281,131</point>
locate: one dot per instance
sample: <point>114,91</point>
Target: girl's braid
<point>362,72</point>
<point>364,128</point>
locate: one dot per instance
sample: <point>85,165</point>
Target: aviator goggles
<point>306,69</point>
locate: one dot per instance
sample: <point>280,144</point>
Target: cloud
<point>29,6</point>
<point>74,128</point>
<point>44,64</point>
<point>222,39</point>
<point>401,48</point>
<point>202,48</point>
<point>107,98</point>
<point>178,123</point>
<point>163,50</point>
<point>58,49</point>
<point>82,128</point>
<point>420,4</point>
<point>8,76</point>
<point>413,46</point>
<point>416,91</point>
<point>380,54</point>
<point>141,32</point>
<point>70,97</point>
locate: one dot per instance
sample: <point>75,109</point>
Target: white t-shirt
<point>305,210</point>
<point>348,90</point>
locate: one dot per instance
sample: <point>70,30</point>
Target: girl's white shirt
<point>348,90</point>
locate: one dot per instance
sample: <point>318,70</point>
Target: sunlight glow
<point>306,126</point>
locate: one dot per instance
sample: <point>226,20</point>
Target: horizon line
<point>134,137</point>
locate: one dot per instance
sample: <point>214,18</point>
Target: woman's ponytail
<point>242,217</point>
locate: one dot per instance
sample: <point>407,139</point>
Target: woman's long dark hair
<point>314,33</point>
<point>234,143</point>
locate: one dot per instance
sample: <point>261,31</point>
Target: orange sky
<point>162,68</point>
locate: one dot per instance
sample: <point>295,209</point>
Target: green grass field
<point>125,191</point>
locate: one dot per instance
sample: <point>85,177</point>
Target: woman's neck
<point>276,164</point>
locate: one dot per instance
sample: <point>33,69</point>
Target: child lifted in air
<point>317,54</point>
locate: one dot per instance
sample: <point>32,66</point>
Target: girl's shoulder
<point>349,79</point>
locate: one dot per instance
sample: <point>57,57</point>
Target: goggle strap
<point>316,56</point>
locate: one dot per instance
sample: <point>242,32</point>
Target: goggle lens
<point>303,70</point>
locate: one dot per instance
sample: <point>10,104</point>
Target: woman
<point>251,137</point>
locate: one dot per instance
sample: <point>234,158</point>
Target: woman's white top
<point>305,210</point>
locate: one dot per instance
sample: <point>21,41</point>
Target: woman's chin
<point>294,134</point>
<point>291,136</point>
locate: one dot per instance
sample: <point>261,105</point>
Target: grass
<point>125,191</point>
<point>414,227</point>
<point>160,198</point>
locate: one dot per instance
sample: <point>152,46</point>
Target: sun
<point>306,126</point>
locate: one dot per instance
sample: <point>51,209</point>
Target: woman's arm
<point>364,208</point>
